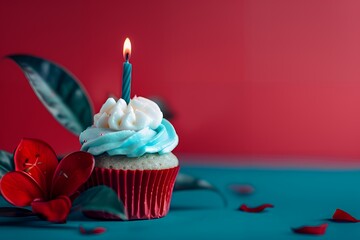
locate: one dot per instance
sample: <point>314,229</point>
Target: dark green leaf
<point>167,112</point>
<point>187,182</point>
<point>58,90</point>
<point>100,198</point>
<point>15,212</point>
<point>6,163</point>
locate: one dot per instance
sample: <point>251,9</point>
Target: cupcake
<point>132,146</point>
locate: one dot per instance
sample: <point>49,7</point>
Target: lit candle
<point>126,78</point>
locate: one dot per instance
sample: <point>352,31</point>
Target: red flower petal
<point>37,159</point>
<point>314,230</point>
<point>97,230</point>
<point>71,173</point>
<point>342,216</point>
<point>257,209</point>
<point>20,189</point>
<point>55,210</point>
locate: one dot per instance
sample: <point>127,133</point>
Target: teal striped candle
<point>127,67</point>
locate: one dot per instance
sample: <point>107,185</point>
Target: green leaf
<point>100,198</point>
<point>6,163</point>
<point>187,182</point>
<point>58,90</point>
<point>15,212</point>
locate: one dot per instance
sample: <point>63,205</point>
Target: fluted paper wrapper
<point>146,194</point>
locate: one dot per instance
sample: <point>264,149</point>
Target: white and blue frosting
<point>131,130</point>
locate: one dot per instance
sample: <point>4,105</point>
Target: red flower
<point>44,183</point>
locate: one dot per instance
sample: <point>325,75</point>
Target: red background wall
<point>251,78</point>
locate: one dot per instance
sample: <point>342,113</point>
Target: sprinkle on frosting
<point>131,130</point>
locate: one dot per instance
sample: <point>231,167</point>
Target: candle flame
<point>127,49</point>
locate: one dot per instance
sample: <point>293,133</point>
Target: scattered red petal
<point>97,230</point>
<point>242,189</point>
<point>55,210</point>
<point>71,173</point>
<point>342,216</point>
<point>20,189</point>
<point>313,230</point>
<point>82,230</point>
<point>257,209</point>
<point>37,159</point>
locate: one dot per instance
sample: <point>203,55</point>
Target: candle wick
<point>127,57</point>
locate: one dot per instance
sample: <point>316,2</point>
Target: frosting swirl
<point>139,114</point>
<point>131,130</point>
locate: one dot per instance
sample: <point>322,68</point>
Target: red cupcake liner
<point>146,194</point>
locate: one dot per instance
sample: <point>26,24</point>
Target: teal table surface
<point>300,197</point>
